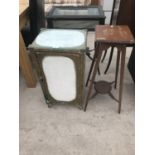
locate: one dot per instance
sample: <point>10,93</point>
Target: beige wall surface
<point>23,1</point>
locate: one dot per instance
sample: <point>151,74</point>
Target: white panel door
<point>60,76</point>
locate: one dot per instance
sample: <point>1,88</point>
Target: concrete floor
<point>66,130</point>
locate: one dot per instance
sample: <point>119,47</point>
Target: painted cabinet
<point>59,59</point>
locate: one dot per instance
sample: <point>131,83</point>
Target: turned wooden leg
<point>117,67</point>
<point>92,65</point>
<point>110,58</point>
<point>96,65</point>
<point>123,52</point>
<point>105,53</point>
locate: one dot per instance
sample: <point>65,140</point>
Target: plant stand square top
<point>119,34</point>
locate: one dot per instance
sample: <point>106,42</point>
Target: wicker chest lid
<point>60,39</point>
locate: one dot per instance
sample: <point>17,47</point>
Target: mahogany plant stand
<point>107,36</point>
